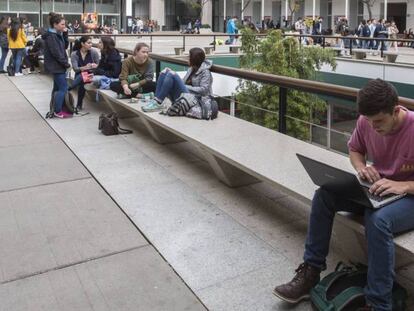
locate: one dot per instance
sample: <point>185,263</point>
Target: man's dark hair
<point>377,96</point>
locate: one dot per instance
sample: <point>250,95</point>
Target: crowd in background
<point>139,25</point>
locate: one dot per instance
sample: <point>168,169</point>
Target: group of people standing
<point>13,38</point>
<point>129,78</point>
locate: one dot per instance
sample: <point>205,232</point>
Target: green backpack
<point>343,290</point>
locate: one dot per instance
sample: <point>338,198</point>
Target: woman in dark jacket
<point>56,60</point>
<point>110,65</point>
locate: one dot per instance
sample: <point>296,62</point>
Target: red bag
<point>86,77</point>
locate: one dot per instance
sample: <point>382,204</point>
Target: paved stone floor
<point>87,217</point>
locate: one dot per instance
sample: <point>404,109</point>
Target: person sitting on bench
<point>84,59</point>
<point>198,80</point>
<point>137,74</point>
<point>383,133</point>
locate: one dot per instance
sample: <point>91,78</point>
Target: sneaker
<point>62,115</point>
<point>152,106</point>
<point>299,288</point>
<point>18,74</point>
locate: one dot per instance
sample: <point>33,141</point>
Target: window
<point>25,5</point>
<point>329,21</point>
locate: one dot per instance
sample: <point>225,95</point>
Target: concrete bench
<point>209,50</point>
<point>338,50</point>
<point>179,51</point>
<point>360,53</point>
<point>390,57</point>
<point>260,154</point>
<point>235,49</point>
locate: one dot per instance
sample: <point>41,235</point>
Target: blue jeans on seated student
<point>380,227</point>
<point>61,87</point>
<point>169,84</point>
<point>78,83</point>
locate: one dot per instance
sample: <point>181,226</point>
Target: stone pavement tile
<point>203,244</point>
<point>269,191</point>
<point>45,227</point>
<point>17,110</point>
<point>83,132</point>
<point>252,291</point>
<point>43,163</point>
<point>137,280</point>
<point>25,132</point>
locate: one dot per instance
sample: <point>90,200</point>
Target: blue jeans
<point>78,83</point>
<point>171,85</point>
<point>17,58</point>
<point>60,86</point>
<point>4,52</point>
<point>380,227</point>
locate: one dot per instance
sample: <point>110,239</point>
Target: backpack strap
<point>349,294</point>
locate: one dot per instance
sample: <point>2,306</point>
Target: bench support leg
<point>227,173</point>
<point>159,134</point>
<point>122,112</point>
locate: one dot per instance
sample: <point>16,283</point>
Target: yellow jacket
<point>20,42</point>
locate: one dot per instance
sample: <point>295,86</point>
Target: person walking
<point>4,43</point>
<point>17,44</point>
<point>56,60</point>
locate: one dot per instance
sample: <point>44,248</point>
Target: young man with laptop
<point>384,134</point>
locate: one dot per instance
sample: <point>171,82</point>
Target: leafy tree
<point>294,6</point>
<point>280,56</point>
<point>198,6</point>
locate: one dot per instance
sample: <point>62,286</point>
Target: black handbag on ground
<point>108,125</point>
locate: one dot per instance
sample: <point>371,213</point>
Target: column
<point>286,9</point>
<point>207,16</point>
<point>242,11</point>
<point>313,9</point>
<point>262,15</point>
<point>386,9</point>
<point>346,8</point>
<point>157,11</point>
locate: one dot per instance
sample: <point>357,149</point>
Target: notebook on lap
<point>344,184</point>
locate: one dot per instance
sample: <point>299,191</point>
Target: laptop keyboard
<point>376,198</point>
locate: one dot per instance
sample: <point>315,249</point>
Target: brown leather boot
<point>299,288</point>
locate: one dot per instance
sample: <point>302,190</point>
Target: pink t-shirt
<point>392,155</point>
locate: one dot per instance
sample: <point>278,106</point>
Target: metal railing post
<point>350,46</point>
<point>183,43</point>
<point>157,69</point>
<point>282,109</point>
<point>151,43</point>
<point>382,48</point>
<point>323,41</point>
<point>232,106</point>
<point>329,121</point>
<point>214,43</point>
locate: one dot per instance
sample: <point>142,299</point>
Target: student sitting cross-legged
<point>198,80</point>
<point>136,74</point>
<point>109,67</point>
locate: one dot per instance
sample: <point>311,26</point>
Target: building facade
<point>172,14</point>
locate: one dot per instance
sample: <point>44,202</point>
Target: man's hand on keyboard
<point>385,186</point>
<point>369,173</point>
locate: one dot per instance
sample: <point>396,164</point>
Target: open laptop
<point>344,184</point>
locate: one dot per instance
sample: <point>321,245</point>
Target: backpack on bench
<point>343,290</point>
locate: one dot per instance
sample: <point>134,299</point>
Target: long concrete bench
<point>241,153</point>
